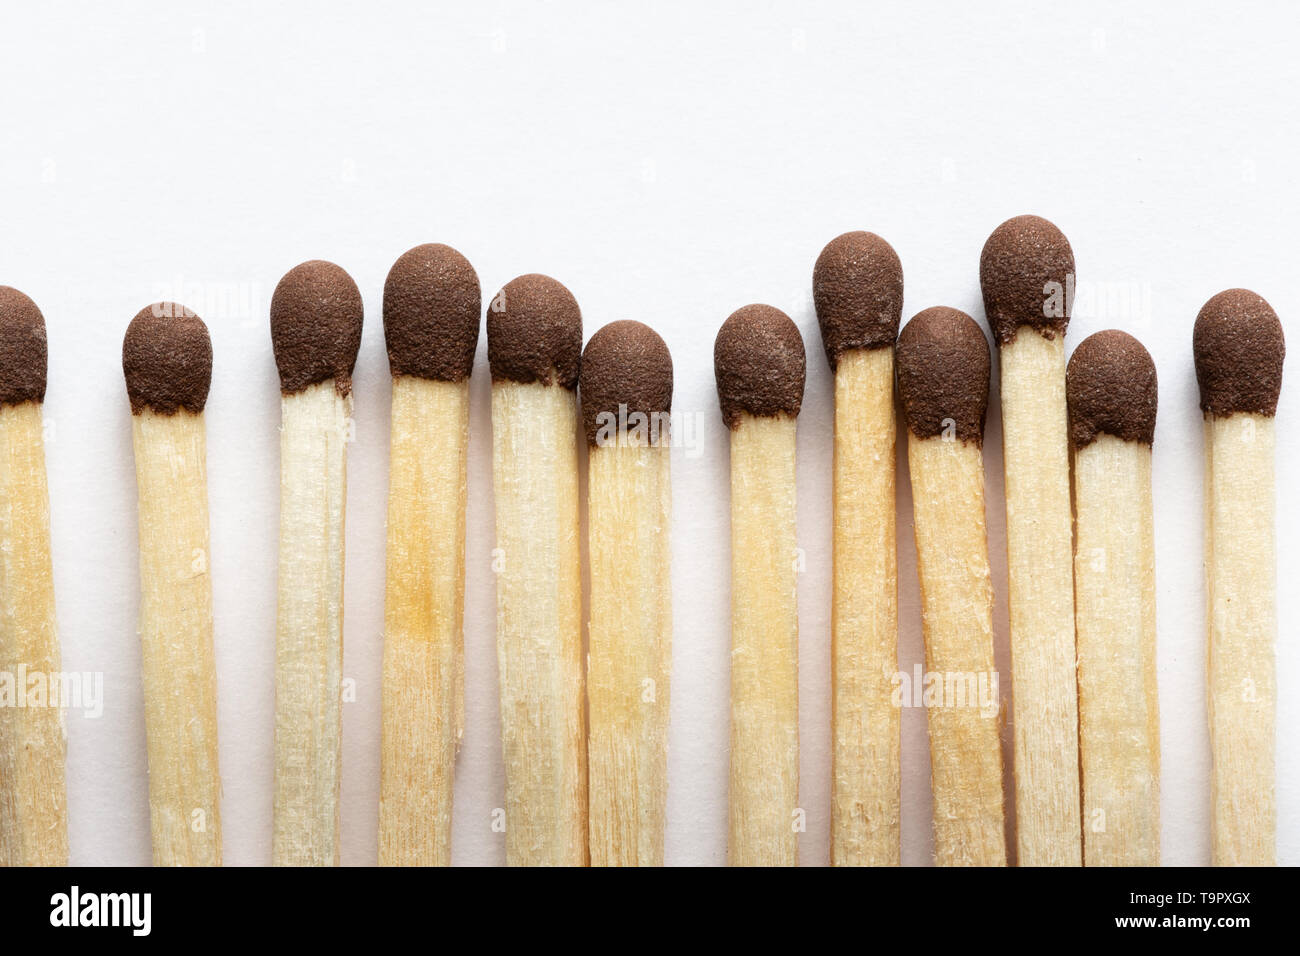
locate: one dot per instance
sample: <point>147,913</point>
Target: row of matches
<point>585,741</point>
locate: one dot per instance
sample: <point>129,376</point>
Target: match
<point>534,333</point>
<point>316,314</point>
<point>858,292</point>
<point>33,739</point>
<point>432,311</point>
<point>758,360</point>
<point>1239,348</point>
<point>167,361</point>
<point>1027,276</point>
<point>626,388</point>
<point>943,385</point>
<point>1111,389</point>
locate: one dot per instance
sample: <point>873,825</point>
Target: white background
<point>669,162</point>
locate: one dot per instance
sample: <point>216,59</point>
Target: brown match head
<point>1027,275</point>
<point>1239,348</point>
<point>316,326</point>
<point>24,355</point>
<point>858,291</point>
<point>943,375</point>
<point>625,364</point>
<point>534,330</point>
<point>167,359</point>
<point>1110,385</point>
<point>759,363</point>
<point>432,310</point>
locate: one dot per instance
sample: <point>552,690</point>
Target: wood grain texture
<point>1241,587</point>
<point>309,627</point>
<point>33,739</point>
<point>1119,715</point>
<point>764,796</point>
<point>424,612</point>
<point>539,623</point>
<point>952,561</point>
<point>865,724</point>
<point>629,665</point>
<point>1040,559</point>
<point>180,678</point>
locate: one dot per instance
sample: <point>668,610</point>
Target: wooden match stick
<point>1111,388</point>
<point>432,311</point>
<point>943,382</point>
<point>758,360</point>
<point>858,291</point>
<point>1027,275</point>
<point>534,332</point>
<point>33,791</point>
<point>316,315</point>
<point>626,388</point>
<point>1239,348</point>
<point>167,360</point>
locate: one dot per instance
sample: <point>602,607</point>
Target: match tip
<point>759,363</point>
<point>23,350</point>
<point>625,364</point>
<point>432,309</point>
<point>943,375</point>
<point>1239,348</point>
<point>858,291</point>
<point>534,330</point>
<point>1110,386</point>
<point>167,359</point>
<point>316,316</point>
<point>1026,273</point>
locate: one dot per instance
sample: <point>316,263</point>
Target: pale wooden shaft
<point>1241,584</point>
<point>1119,720</point>
<point>424,610</point>
<point>764,797</point>
<point>630,651</point>
<point>865,745</point>
<point>33,791</point>
<point>539,623</point>
<point>180,677</point>
<point>309,627</point>
<point>1040,558</point>
<point>952,561</point>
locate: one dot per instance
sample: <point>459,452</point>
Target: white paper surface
<point>668,163</point>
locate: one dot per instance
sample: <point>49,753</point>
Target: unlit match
<point>1239,348</point>
<point>626,387</point>
<point>858,291</point>
<point>432,311</point>
<point>1027,277</point>
<point>943,384</point>
<point>534,349</point>
<point>1111,387</point>
<point>758,359</point>
<point>167,360</point>
<point>316,315</point>
<point>33,791</point>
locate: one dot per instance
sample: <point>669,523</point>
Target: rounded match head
<point>23,351</point>
<point>759,363</point>
<point>943,375</point>
<point>1110,385</point>
<point>432,311</point>
<point>167,359</point>
<point>626,369</point>
<point>534,330</point>
<point>1027,275</point>
<point>316,326</point>
<point>1239,348</point>
<point>858,291</point>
